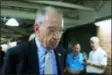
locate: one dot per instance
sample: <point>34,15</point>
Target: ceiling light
<point>12,44</point>
<point>105,25</point>
<point>12,22</point>
<point>105,22</point>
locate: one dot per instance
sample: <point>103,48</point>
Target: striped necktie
<point>48,65</point>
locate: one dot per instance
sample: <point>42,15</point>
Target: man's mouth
<point>54,43</point>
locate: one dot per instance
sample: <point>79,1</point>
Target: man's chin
<point>52,47</point>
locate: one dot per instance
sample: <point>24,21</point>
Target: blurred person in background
<point>97,60</point>
<point>38,57</point>
<point>32,36</point>
<point>75,61</point>
<point>2,54</point>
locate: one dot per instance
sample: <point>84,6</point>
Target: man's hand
<point>88,63</point>
<point>95,65</point>
<point>74,71</point>
<point>78,71</point>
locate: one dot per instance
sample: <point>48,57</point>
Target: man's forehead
<point>93,42</point>
<point>53,24</point>
<point>54,20</point>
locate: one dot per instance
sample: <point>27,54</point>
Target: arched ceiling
<point>76,13</point>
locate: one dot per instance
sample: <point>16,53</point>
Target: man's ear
<point>35,27</point>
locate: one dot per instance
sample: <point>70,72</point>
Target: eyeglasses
<point>54,30</point>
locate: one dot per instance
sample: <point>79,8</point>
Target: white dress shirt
<point>41,56</point>
<point>97,56</point>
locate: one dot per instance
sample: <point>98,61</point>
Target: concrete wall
<point>105,40</point>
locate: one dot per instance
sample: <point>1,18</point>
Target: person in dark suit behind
<point>38,57</point>
<point>2,54</point>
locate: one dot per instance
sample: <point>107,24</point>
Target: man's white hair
<point>41,14</point>
<point>32,36</point>
<point>94,39</point>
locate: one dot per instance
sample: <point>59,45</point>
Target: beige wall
<point>105,40</point>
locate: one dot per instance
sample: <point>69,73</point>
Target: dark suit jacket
<point>23,59</point>
<point>2,54</point>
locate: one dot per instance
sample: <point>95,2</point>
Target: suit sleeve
<point>9,66</point>
<point>67,61</point>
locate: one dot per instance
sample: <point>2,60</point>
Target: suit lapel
<point>59,69</point>
<point>33,58</point>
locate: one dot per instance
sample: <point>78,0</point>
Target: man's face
<point>93,44</point>
<point>76,48</point>
<point>50,31</point>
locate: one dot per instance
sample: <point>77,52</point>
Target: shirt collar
<point>76,56</point>
<point>39,45</point>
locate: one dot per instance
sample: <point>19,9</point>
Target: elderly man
<point>97,58</point>
<point>38,56</point>
<point>75,61</point>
